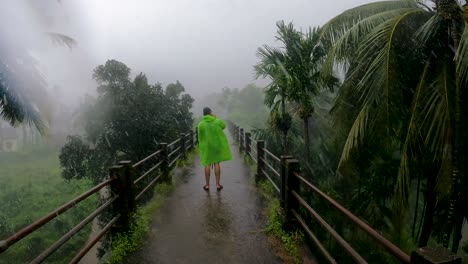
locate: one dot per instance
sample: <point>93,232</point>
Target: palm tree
<point>306,79</point>
<point>295,73</point>
<point>22,88</point>
<point>406,65</point>
<point>273,65</point>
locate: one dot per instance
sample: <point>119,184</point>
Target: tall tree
<point>295,71</point>
<point>127,121</point>
<point>406,69</point>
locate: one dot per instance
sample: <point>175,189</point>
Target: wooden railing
<point>284,174</point>
<point>125,191</point>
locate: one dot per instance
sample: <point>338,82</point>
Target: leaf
<point>62,39</point>
<point>461,56</point>
<point>401,196</point>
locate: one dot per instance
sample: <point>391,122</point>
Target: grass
<point>30,187</point>
<point>289,240</point>
<point>125,244</point>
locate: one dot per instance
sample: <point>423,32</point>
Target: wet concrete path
<point>195,226</point>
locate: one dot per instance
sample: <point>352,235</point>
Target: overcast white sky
<point>206,44</point>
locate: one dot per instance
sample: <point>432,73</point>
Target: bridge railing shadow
<point>284,174</point>
<point>128,184</point>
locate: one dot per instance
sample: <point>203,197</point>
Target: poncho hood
<point>209,118</point>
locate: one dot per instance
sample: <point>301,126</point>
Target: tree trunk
<point>421,220</point>
<point>428,217</point>
<point>417,205</point>
<point>456,174</point>
<point>457,236</point>
<point>306,140</point>
<point>285,132</point>
<point>431,200</point>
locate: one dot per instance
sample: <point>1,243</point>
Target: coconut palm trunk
<point>285,131</point>
<point>456,143</point>
<point>306,140</point>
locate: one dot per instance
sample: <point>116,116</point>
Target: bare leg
<point>217,170</point>
<point>207,175</point>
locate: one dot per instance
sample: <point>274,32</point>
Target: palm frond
<point>356,134</point>
<point>62,39</point>
<point>461,57</point>
<point>402,187</point>
<point>340,24</point>
<point>427,31</point>
<point>375,84</point>
<point>436,120</point>
<point>349,41</point>
<point>15,107</point>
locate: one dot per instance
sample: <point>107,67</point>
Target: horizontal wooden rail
<point>340,240</point>
<point>314,239</point>
<point>272,182</point>
<point>175,160</point>
<point>174,151</point>
<point>148,172</point>
<point>271,168</point>
<point>93,242</point>
<point>173,143</point>
<point>253,157</point>
<point>271,155</point>
<point>148,186</point>
<point>145,159</point>
<point>72,232</point>
<point>389,246</point>
<point>5,244</point>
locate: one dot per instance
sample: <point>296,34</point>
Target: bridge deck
<point>195,226</point>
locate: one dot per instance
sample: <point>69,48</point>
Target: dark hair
<point>206,111</point>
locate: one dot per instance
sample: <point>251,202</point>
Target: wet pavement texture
<point>196,226</point>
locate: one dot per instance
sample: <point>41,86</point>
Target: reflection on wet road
<point>195,226</point>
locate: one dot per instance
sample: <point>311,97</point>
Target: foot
<point>206,187</point>
<point>219,187</point>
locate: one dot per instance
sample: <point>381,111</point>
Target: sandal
<point>206,187</point>
<point>219,188</point>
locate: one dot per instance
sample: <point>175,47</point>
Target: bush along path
<point>196,226</point>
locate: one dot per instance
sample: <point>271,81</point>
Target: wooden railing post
<point>437,255</point>
<point>248,143</point>
<point>260,164</point>
<point>283,179</point>
<point>165,162</point>
<point>241,140</point>
<point>292,184</point>
<point>123,187</point>
<point>196,136</point>
<point>183,149</point>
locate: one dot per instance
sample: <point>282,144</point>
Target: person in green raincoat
<point>213,145</point>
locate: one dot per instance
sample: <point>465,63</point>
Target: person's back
<point>213,145</point>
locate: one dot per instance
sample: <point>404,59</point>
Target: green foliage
<point>127,121</point>
<point>404,72</point>
<point>188,160</point>
<point>24,98</point>
<point>74,157</point>
<point>291,240</point>
<point>125,244</point>
<point>32,187</point>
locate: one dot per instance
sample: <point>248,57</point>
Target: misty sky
<point>206,44</point>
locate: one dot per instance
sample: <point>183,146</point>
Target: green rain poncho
<point>212,141</point>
